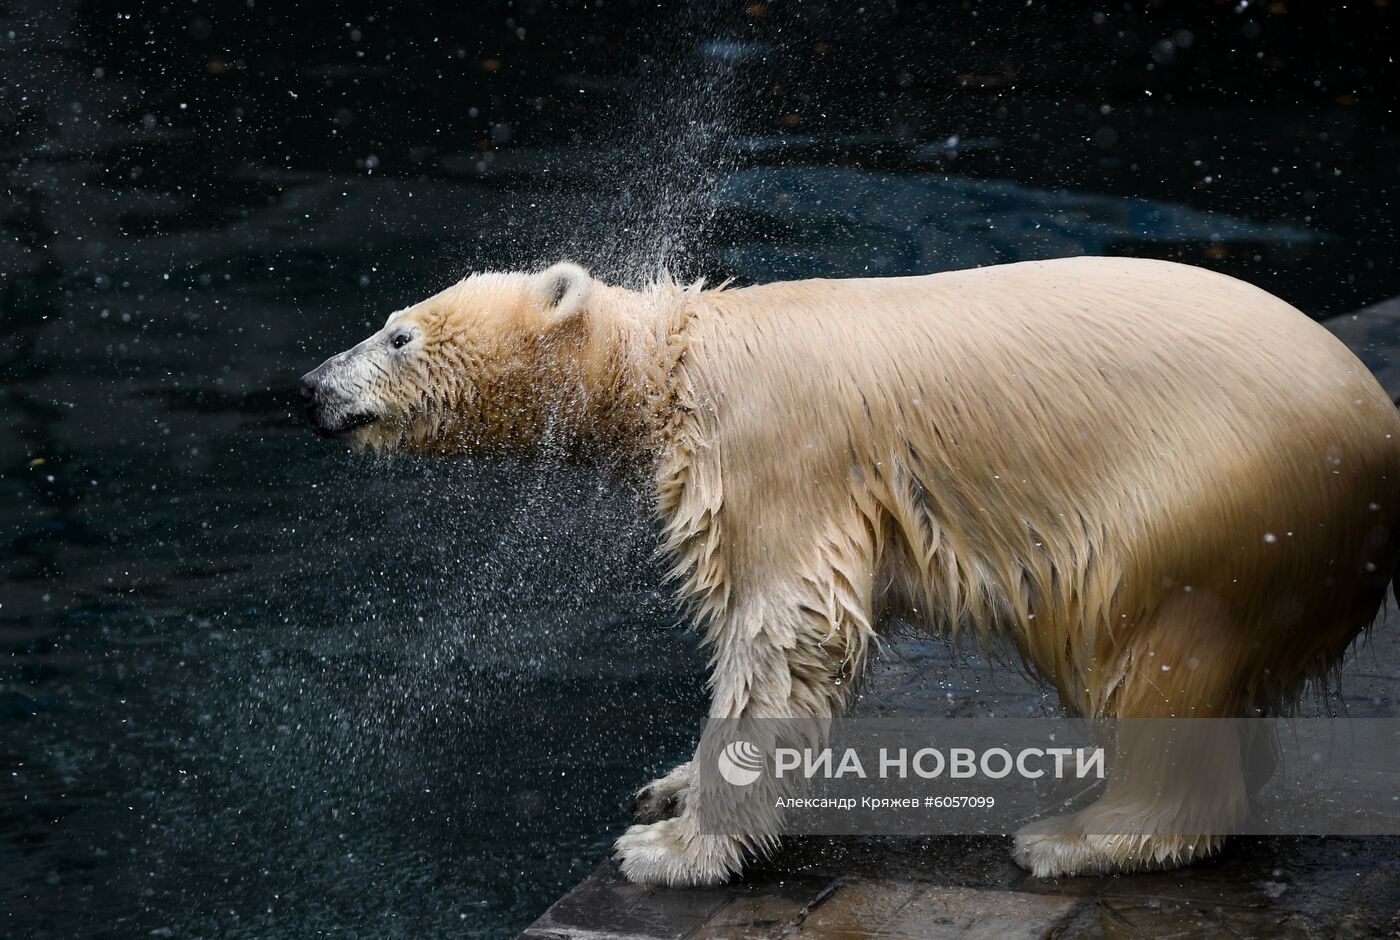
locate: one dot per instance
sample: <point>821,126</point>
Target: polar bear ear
<point>562,292</point>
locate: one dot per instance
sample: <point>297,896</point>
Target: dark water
<point>251,685</point>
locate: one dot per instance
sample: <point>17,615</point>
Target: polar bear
<point>1174,494</point>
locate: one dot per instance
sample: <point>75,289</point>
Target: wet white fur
<point>1171,493</point>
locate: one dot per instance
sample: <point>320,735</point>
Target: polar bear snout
<point>306,388</point>
<point>329,411</point>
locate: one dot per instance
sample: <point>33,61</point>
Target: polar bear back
<point>1129,420</point>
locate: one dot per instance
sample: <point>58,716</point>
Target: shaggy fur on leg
<point>664,797</point>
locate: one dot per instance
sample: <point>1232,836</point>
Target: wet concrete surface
<point>968,888</point>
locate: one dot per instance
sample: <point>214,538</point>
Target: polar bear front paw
<point>664,797</point>
<point>671,854</point>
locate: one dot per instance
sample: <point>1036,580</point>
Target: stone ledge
<point>1373,333</point>
<point>607,907</point>
<point>942,887</point>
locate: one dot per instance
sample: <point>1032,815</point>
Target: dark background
<point>251,685</point>
<point>1279,111</point>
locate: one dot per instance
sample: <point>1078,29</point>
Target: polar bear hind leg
<point>1176,783</point>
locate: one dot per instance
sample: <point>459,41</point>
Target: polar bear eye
<point>400,340</point>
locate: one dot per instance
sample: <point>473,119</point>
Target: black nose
<point>306,388</point>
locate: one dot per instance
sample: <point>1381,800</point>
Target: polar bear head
<point>498,362</point>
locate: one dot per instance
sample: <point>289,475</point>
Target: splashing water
<point>662,177</point>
